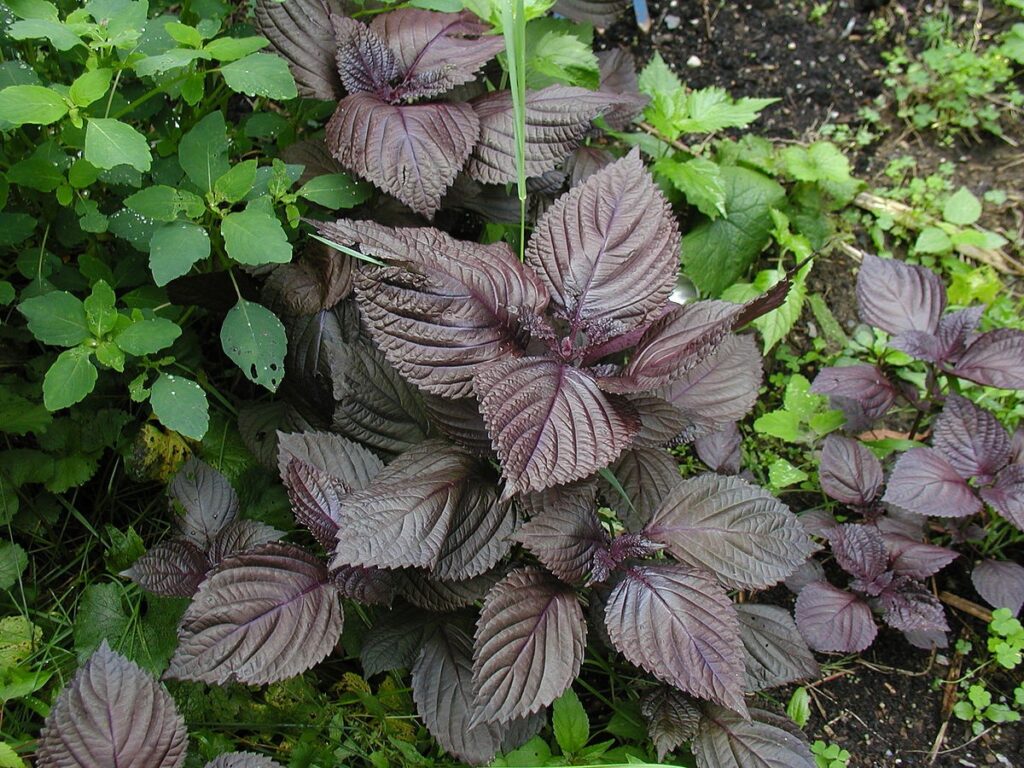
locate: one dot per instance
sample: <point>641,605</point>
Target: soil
<point>887,705</point>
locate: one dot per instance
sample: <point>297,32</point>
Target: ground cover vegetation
<point>440,383</point>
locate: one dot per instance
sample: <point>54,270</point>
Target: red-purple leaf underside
<point>608,251</point>
<point>208,500</point>
<point>411,151</point>
<point>995,359</point>
<point>300,31</point>
<point>677,624</point>
<point>726,740</point>
<point>735,530</point>
<point>365,62</point>
<point>316,500</point>
<point>260,617</point>
<point>833,620</point>
<point>1006,494</point>
<point>916,559</point>
<point>859,550</point>
<point>369,586</point>
<point>112,714</point>
<point>339,457</point>
<point>457,307</point>
<point>529,645</point>
<point>557,119</point>
<point>395,639</point>
<point>775,652</point>
<point>898,297</point>
<point>1000,583</point>
<point>723,387</point>
<point>970,438</point>
<point>565,536</point>
<point>549,423</point>
<point>720,450</point>
<point>849,472</point>
<point>863,386</point>
<point>672,718</point>
<point>242,760</point>
<point>419,588</point>
<point>241,536</point>
<point>925,483</point>
<point>173,568</point>
<point>912,608</point>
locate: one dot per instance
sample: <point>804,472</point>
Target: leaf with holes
<point>255,340</point>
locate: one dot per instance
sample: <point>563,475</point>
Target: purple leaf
<point>739,532</point>
<point>849,472</point>
<point>647,475</point>
<point>410,311</point>
<point>861,391</point>
<point>411,151</point>
<point>1017,445</point>
<point>913,558</point>
<point>533,406</point>
<point>584,162</point>
<point>677,624</point>
<point>395,639</point>
<point>775,652</point>
<point>600,13</point>
<point>242,760</point>
<point>460,421</point>
<point>208,500</point>
<point>672,719</point>
<point>529,645</point>
<point>955,330</point>
<point>833,620</point>
<point>859,550</point>
<point>618,76</point>
<point>365,62</point>
<point>1000,583</point>
<point>430,508</point>
<point>376,406</point>
<point>807,573</point>
<point>316,283</point>
<point>258,424</point>
<point>720,450</point>
<point>173,568</point>
<point>557,119</point>
<point>241,536</point>
<point>422,590</point>
<point>369,586</point>
<point>112,714</point>
<point>566,535</point>
<point>909,607</point>
<point>1006,495</point>
<point>260,617</point>
<point>971,438</point>
<point>925,483</point>
<point>727,740</point>
<point>901,522</point>
<point>995,359</point>
<point>347,462</point>
<point>316,500</point>
<point>661,423</point>
<point>817,522</point>
<point>927,640</point>
<point>920,345</point>
<point>436,51</point>
<point>300,31</point>
<point>608,250</point>
<point>898,297</point>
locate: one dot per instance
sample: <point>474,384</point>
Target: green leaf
<point>14,228</point>
<point>570,723</point>
<point>260,74</point>
<point>42,170</point>
<point>9,758</point>
<point>233,48</point>
<point>71,377</point>
<point>799,707</point>
<point>163,203</point>
<point>33,9</point>
<point>56,318</point>
<point>100,312</point>
<point>255,237</point>
<point>336,190</point>
<point>110,355</point>
<point>90,86</point>
<point>60,35</point>
<point>19,415</point>
<point>13,562</point>
<point>717,253</point>
<point>237,182</point>
<point>558,51</point>
<point>174,248</point>
<point>699,180</point>
<point>203,151</point>
<point>821,161</point>
<point>180,404</point>
<point>183,34</point>
<point>799,399</point>
<point>110,142</point>
<point>962,208</point>
<point>782,474</point>
<point>255,339</point>
<point>6,293</point>
<point>667,94</point>
<point>933,240</point>
<point>148,336</point>
<point>782,424</point>
<point>165,62</point>
<point>711,109</point>
<point>775,325</point>
<point>31,104</point>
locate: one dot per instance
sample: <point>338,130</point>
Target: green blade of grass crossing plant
<point>513,22</point>
<point>613,481</point>
<point>346,250</point>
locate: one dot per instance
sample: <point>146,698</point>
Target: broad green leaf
<point>174,248</point>
<point>799,399</point>
<point>110,142</point>
<point>15,227</point>
<point>255,237</point>
<point>6,293</point>
<point>203,151</point>
<point>717,253</point>
<point>336,190</point>
<point>180,404</point>
<point>237,182</point>
<point>19,637</point>
<point>711,109</point>
<point>42,170</point>
<point>667,94</point>
<point>260,74</point>
<point>570,723</point>
<point>700,180</point>
<point>100,312</point>
<point>821,161</point>
<point>33,9</point>
<point>71,377</point>
<point>184,34</point>
<point>13,562</point>
<point>60,35</point>
<point>56,318</point>
<point>165,62</point>
<point>255,339</point>
<point>234,48</point>
<point>147,336</point>
<point>782,424</point>
<point>782,474</point>
<point>31,104</point>
<point>558,52</point>
<point>933,240</point>
<point>163,203</point>
<point>110,355</point>
<point>775,325</point>
<point>9,758</point>
<point>962,208</point>
<point>19,415</point>
<point>90,86</point>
